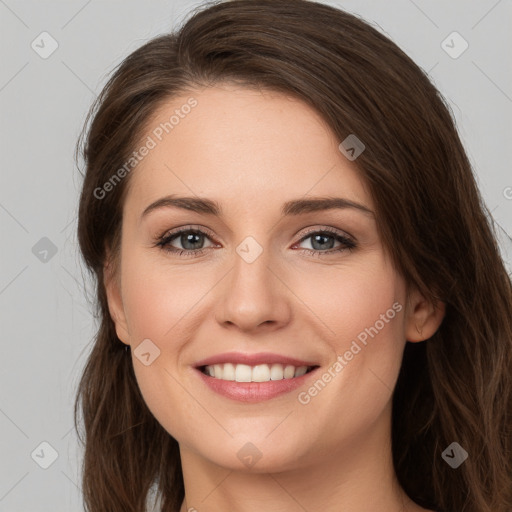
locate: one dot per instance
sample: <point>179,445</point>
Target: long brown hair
<point>456,386</point>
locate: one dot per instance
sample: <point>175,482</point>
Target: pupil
<point>186,239</point>
<point>317,237</point>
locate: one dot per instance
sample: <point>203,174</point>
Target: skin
<point>251,151</point>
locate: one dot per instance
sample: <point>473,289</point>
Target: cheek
<point>163,304</point>
<point>159,299</point>
<point>348,300</point>
<point>159,307</point>
<point>360,312</point>
<point>169,401</point>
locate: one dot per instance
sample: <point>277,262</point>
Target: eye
<point>322,241</point>
<point>191,240</point>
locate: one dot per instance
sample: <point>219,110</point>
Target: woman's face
<point>262,278</point>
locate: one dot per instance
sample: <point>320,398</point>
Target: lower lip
<point>254,391</point>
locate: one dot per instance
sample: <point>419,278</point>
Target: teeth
<point>258,373</point>
<point>261,373</point>
<point>301,370</point>
<point>242,373</point>
<point>228,372</point>
<point>289,372</point>
<point>276,372</point>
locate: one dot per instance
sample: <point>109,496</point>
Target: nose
<point>254,296</point>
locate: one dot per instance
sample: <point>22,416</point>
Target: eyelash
<point>164,240</point>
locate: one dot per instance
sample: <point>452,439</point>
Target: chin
<point>251,456</point>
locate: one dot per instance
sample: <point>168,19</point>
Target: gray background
<point>46,322</point>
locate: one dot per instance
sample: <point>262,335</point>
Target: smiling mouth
<point>256,373</point>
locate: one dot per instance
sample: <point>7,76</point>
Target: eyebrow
<point>293,207</point>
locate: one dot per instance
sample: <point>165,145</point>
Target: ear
<point>423,318</point>
<point>111,281</point>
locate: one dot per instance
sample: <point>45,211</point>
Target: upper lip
<point>252,359</point>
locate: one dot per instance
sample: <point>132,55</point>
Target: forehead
<point>242,147</point>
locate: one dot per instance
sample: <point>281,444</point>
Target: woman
<point>288,241</point>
